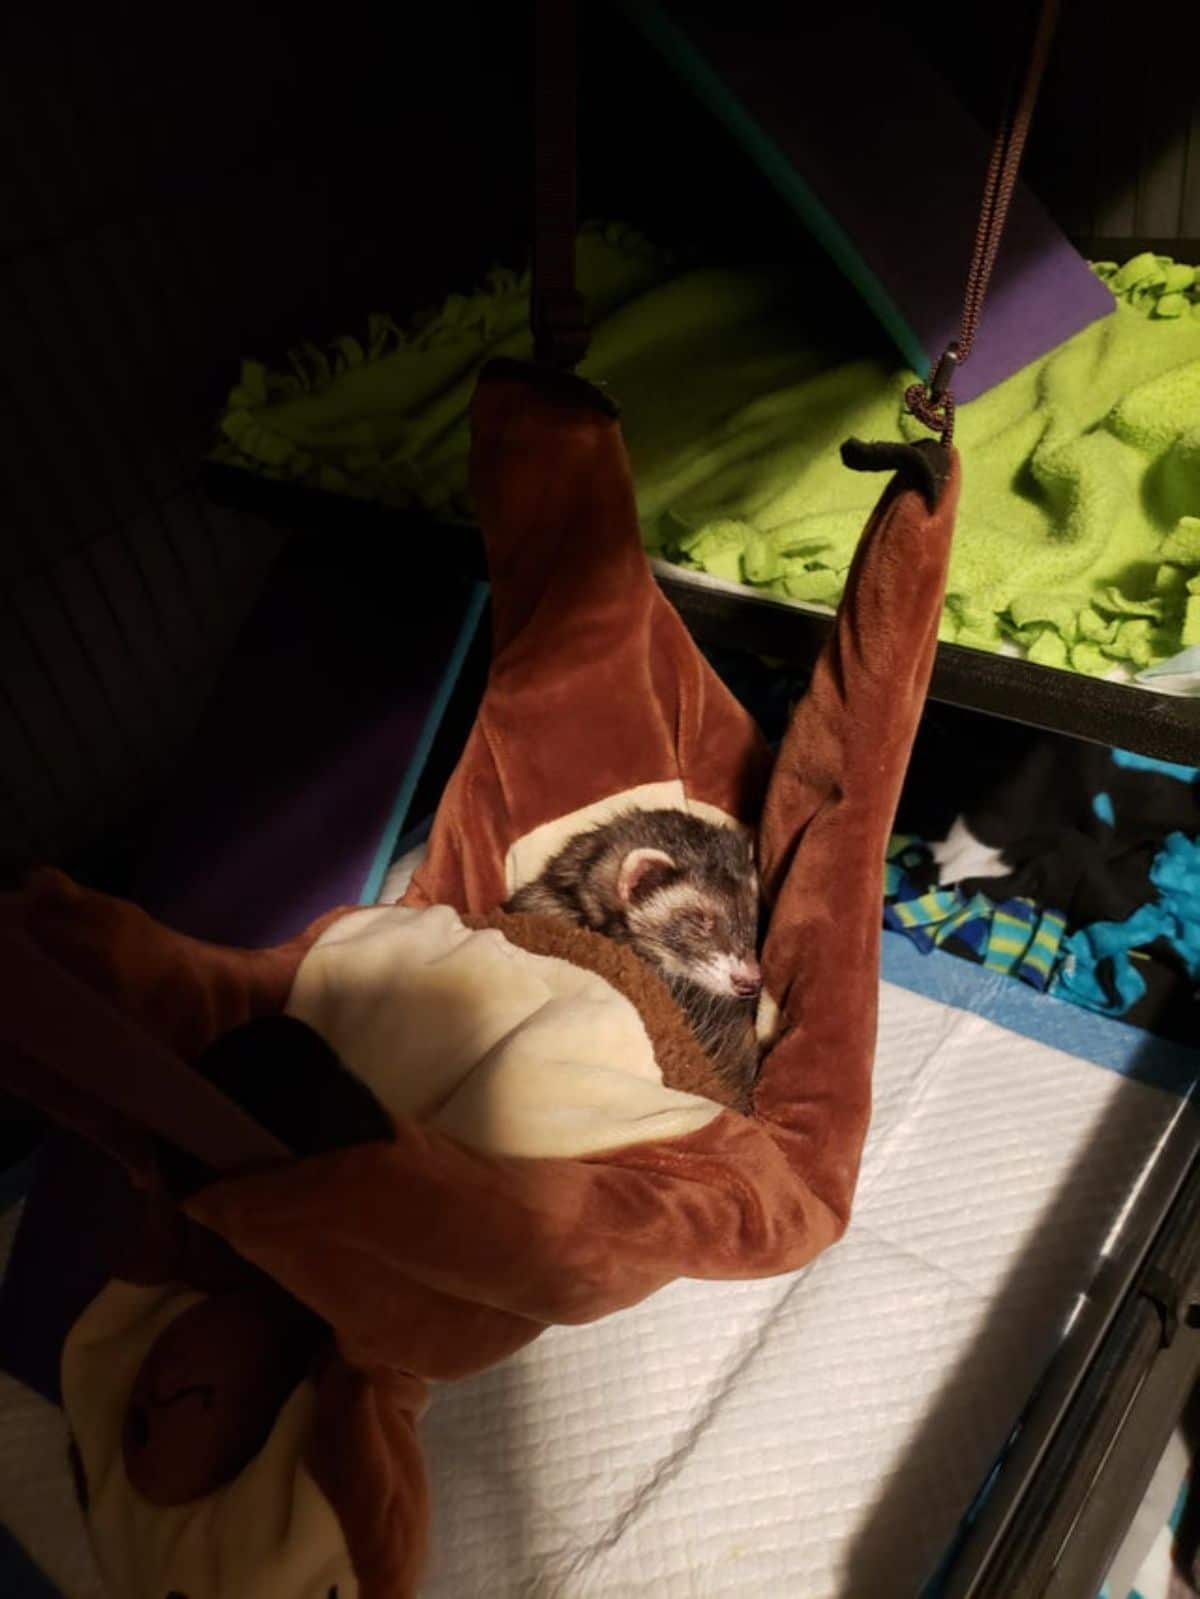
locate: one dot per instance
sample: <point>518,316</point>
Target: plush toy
<point>438,1127</point>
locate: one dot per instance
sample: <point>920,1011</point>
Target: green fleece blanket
<point>1079,534</point>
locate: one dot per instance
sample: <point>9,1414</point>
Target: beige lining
<point>511,1052</point>
<point>268,1533</point>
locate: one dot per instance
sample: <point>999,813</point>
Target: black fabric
<point>1032,796</point>
<point>924,466</point>
<point>1170,1006</point>
<point>284,1075</point>
<point>287,1077</point>
<point>768,689</point>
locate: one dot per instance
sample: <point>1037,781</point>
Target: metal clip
<point>943,372</point>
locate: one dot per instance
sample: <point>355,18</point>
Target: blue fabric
<point>1102,805</point>
<point>1147,763</point>
<point>1181,1499</point>
<point>386,851</point>
<point>1014,936</point>
<point>1107,1043</point>
<point>1095,967</point>
<point>1099,971</point>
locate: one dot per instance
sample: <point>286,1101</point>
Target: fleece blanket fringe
<point>1079,530</point>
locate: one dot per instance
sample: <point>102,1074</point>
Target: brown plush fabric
<point>569,1240</point>
<point>430,1260</point>
<point>83,966</point>
<point>251,1347</point>
<point>824,831</point>
<point>684,1064</point>
<point>365,1457</point>
<point>182,990</point>
<point>595,685</point>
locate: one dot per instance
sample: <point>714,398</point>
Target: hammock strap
<point>932,403</point>
<point>560,334</point>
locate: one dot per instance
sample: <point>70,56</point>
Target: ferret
<point>683,894</point>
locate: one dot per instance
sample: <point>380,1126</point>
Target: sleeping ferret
<point>683,894</point>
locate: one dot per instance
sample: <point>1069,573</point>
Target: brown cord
<point>932,403</point>
<point>560,334</point>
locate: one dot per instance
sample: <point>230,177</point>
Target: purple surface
<point>897,162</point>
<point>293,774</point>
<point>276,817</point>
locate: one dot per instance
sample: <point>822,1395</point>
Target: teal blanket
<point>1079,532</point>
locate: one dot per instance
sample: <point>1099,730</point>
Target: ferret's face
<point>701,929</point>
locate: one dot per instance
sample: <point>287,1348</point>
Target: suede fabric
<point>427,1259</point>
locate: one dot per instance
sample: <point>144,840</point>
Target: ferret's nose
<point>746,978</point>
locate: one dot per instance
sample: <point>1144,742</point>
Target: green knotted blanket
<point>1079,532</point>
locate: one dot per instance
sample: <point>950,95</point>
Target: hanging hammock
<point>397,1148</point>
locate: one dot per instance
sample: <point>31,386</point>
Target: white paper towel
<point>820,1435</point>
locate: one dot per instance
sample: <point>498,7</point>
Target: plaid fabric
<point>1014,936</point>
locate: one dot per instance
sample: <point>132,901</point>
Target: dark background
<point>184,186</point>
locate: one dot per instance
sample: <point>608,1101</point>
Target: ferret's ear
<point>642,871</point>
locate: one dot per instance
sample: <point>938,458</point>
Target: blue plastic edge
<point>389,837</point>
<point>704,80</point>
<point>1114,1045</point>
